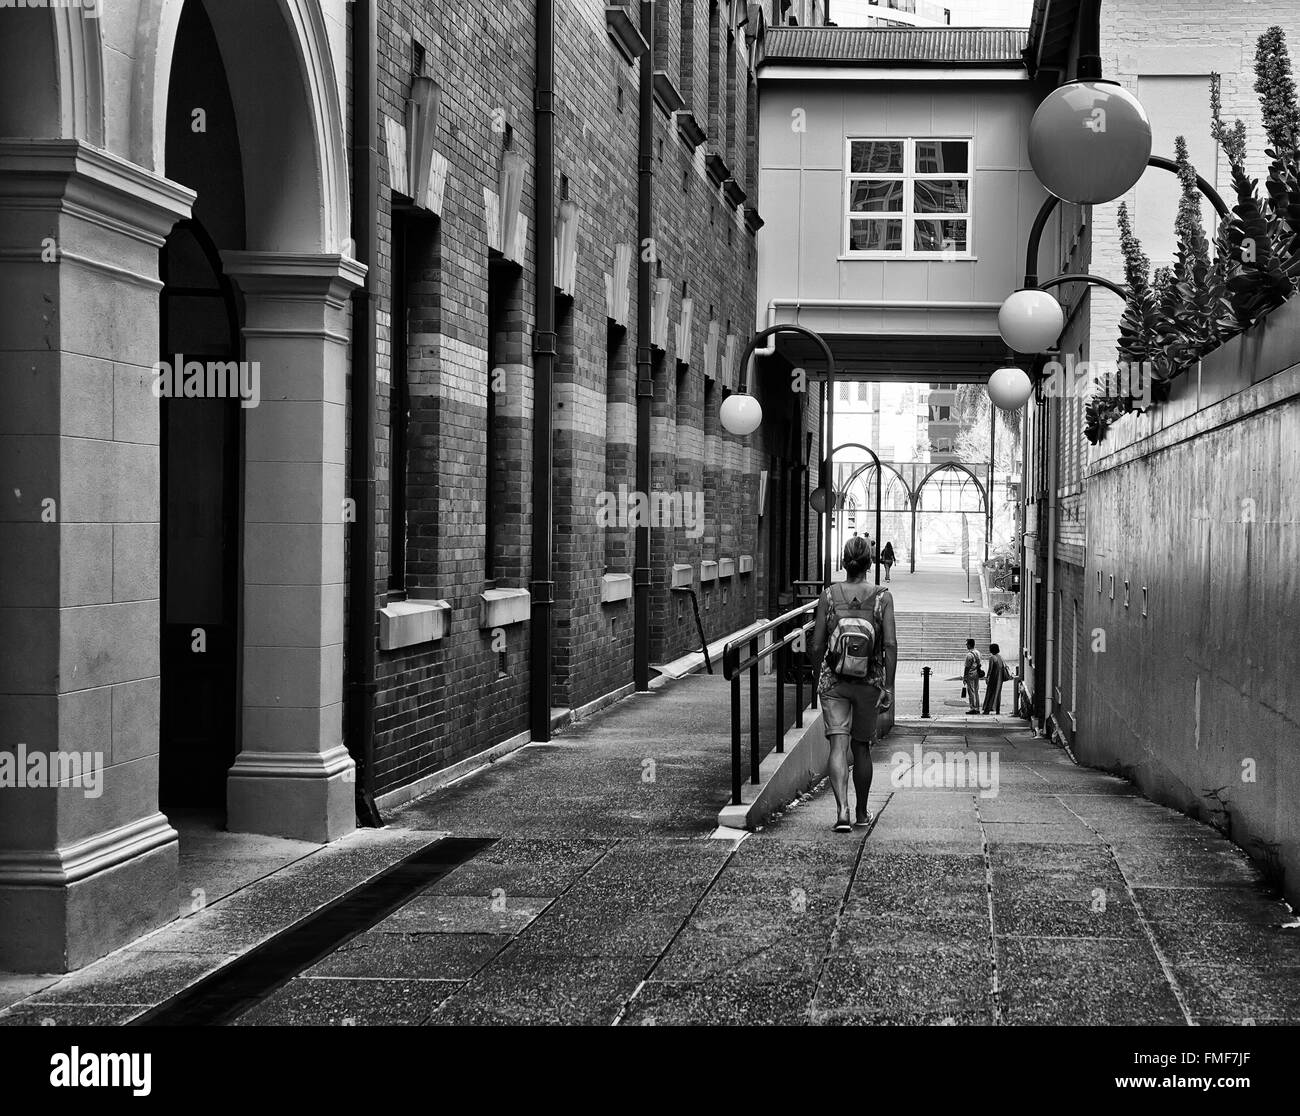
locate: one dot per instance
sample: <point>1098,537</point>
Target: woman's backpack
<point>854,635</point>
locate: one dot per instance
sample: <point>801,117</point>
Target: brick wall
<point>443,701</point>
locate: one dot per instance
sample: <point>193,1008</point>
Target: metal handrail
<point>788,629</point>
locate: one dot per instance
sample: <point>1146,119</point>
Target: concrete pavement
<point>1057,895</point>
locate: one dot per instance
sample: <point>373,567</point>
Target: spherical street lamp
<point>741,414</point>
<point>1089,141</point>
<point>817,499</point>
<point>1030,320</point>
<point>1010,388</point>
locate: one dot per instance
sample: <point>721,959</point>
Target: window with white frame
<point>907,197</point>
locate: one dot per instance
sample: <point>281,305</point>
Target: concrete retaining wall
<point>1189,656</point>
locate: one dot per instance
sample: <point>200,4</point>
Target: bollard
<point>925,692</point>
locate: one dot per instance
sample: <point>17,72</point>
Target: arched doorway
<point>199,458</point>
<point>268,245</point>
<point>200,434</point>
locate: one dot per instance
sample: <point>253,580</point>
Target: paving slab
<point>341,1002</point>
<point>465,914</point>
<point>1071,982</point>
<point>525,989</point>
<point>378,953</point>
<point>733,1001</point>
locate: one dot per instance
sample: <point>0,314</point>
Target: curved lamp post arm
<point>1095,280</point>
<point>1049,205</point>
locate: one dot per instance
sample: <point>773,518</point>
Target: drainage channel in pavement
<point>241,985</point>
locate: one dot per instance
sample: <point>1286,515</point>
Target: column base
<point>65,908</point>
<point>306,796</point>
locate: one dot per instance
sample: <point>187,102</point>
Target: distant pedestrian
<point>971,673</point>
<point>887,558</point>
<point>997,674</point>
<point>856,649</point>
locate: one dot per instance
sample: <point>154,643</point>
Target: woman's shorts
<point>849,709</point>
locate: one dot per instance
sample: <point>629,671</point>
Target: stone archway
<point>293,774</point>
<point>84,209</point>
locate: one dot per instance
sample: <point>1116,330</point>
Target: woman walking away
<point>855,643</point>
<point>887,558</point>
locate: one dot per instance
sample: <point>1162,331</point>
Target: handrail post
<point>735,739</point>
<point>753,713</point>
<point>925,692</point>
<point>779,657</point>
<point>797,659</point>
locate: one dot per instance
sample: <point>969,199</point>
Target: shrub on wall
<point>1173,319</point>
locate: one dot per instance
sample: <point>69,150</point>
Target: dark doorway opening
<point>200,435</point>
<point>200,455</point>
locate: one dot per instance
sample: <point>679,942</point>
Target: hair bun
<point>857,550</point>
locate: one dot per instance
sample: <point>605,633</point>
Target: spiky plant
<point>1276,89</point>
<point>1196,311</point>
<point>1254,274</point>
<point>1281,116</point>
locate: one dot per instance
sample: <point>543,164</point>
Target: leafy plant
<point>1277,98</point>
<point>1253,275</point>
<point>1173,318</point>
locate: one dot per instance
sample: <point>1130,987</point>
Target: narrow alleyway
<point>1065,898</point>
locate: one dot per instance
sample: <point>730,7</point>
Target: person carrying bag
<point>855,643</point>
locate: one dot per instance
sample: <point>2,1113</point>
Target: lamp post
<point>1090,138</point>
<point>1027,322</point>
<point>750,411</point>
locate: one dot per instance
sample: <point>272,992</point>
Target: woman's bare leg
<point>861,776</point>
<point>839,773</point>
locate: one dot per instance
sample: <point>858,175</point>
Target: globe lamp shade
<point>817,499</point>
<point>741,414</point>
<point>1030,321</point>
<point>1010,388</point>
<point>1089,141</point>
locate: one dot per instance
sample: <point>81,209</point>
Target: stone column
<point>88,865</point>
<point>293,776</point>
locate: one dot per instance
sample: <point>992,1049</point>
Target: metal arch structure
<point>830,490</point>
<point>828,405</point>
<point>884,465</point>
<point>956,466</point>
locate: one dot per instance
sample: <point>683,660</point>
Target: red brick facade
<point>470,318</point>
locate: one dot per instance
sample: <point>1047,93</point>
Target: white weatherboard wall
<point>801,190</point>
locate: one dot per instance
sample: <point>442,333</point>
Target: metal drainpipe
<point>1026,587</point>
<point>542,586</point>
<point>644,369</point>
<point>1053,482</point>
<point>362,617</point>
<point>1088,66</point>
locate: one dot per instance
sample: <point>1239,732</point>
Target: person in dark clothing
<point>971,671</point>
<point>996,674</point>
<point>887,558</point>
